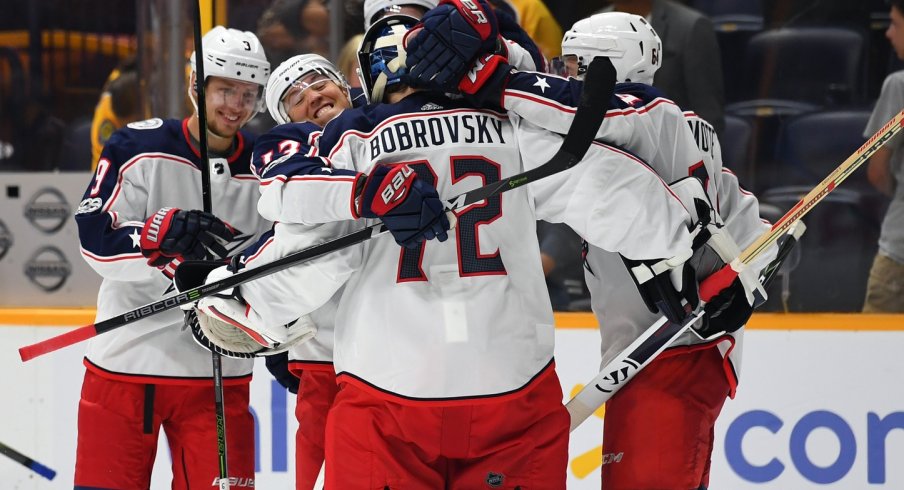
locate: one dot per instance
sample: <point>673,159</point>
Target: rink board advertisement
<point>815,409</point>
<point>40,261</point>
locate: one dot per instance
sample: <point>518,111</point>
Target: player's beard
<point>215,128</point>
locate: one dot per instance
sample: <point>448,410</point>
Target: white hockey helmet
<point>374,7</point>
<point>233,54</point>
<point>628,40</point>
<point>381,56</point>
<point>289,74</point>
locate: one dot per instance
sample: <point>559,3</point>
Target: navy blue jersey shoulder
<point>277,150</point>
<point>150,136</point>
<point>646,94</point>
<point>170,137</point>
<point>365,119</point>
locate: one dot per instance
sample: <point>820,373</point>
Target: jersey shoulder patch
<point>146,124</point>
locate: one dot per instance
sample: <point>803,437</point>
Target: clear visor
<point>567,66</point>
<point>245,98</point>
<point>297,91</point>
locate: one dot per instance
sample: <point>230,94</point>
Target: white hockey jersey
<point>144,167</point>
<point>468,318</point>
<point>676,145</point>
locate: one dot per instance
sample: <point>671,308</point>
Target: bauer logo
<point>47,210</point>
<point>48,269</point>
<point>495,480</point>
<point>6,240</point>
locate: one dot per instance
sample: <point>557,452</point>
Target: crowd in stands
<point>789,86</point>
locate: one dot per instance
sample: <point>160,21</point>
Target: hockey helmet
<point>291,73</point>
<point>628,40</point>
<point>381,55</point>
<point>233,54</point>
<point>374,7</point>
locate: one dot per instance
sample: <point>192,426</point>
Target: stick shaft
<point>27,462</point>
<point>587,119</point>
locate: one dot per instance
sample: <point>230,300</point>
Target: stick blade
<point>52,344</point>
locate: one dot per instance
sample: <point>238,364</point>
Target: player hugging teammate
<point>433,352</point>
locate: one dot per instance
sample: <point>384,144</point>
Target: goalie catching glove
<point>190,235</point>
<point>225,324</point>
<point>408,206</point>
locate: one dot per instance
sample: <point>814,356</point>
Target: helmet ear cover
<point>628,40</point>
<point>290,73</point>
<point>381,55</point>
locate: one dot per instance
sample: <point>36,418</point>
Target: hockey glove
<point>449,37</point>
<point>409,207</point>
<point>278,365</point>
<point>667,287</point>
<point>190,235</point>
<point>486,80</point>
<point>726,312</point>
<point>224,323</point>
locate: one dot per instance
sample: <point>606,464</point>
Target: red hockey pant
<point>658,429</point>
<point>522,442</point>
<point>119,424</point>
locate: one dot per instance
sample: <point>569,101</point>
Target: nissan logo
<point>47,210</point>
<point>6,240</point>
<point>48,269</point>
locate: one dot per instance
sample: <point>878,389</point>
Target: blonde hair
<point>348,60</point>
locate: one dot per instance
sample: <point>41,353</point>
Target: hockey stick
<point>215,359</point>
<point>662,333</point>
<point>655,339</point>
<point>598,86</point>
<point>27,462</point>
<point>724,277</point>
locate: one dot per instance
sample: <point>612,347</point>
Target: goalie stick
<point>27,462</point>
<point>659,335</point>
<point>215,359</point>
<point>724,277</point>
<point>599,84</point>
<point>655,339</point>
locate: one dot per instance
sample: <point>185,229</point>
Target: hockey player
<point>303,95</point>
<point>471,398</point>
<point>309,89</point>
<point>649,125</point>
<point>138,218</point>
<point>678,409</point>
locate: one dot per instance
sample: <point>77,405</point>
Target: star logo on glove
<point>541,82</point>
<point>136,238</point>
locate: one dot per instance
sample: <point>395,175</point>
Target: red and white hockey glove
<point>486,80</point>
<point>409,207</point>
<point>189,235</point>
<point>226,324</point>
<point>441,48</point>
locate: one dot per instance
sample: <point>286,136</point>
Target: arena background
<point>819,404</point>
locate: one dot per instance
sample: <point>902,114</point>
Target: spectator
<point>289,27</point>
<point>885,288</point>
<point>538,22</point>
<point>119,105</point>
<point>691,72</point>
<point>348,60</point>
<point>561,256</point>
